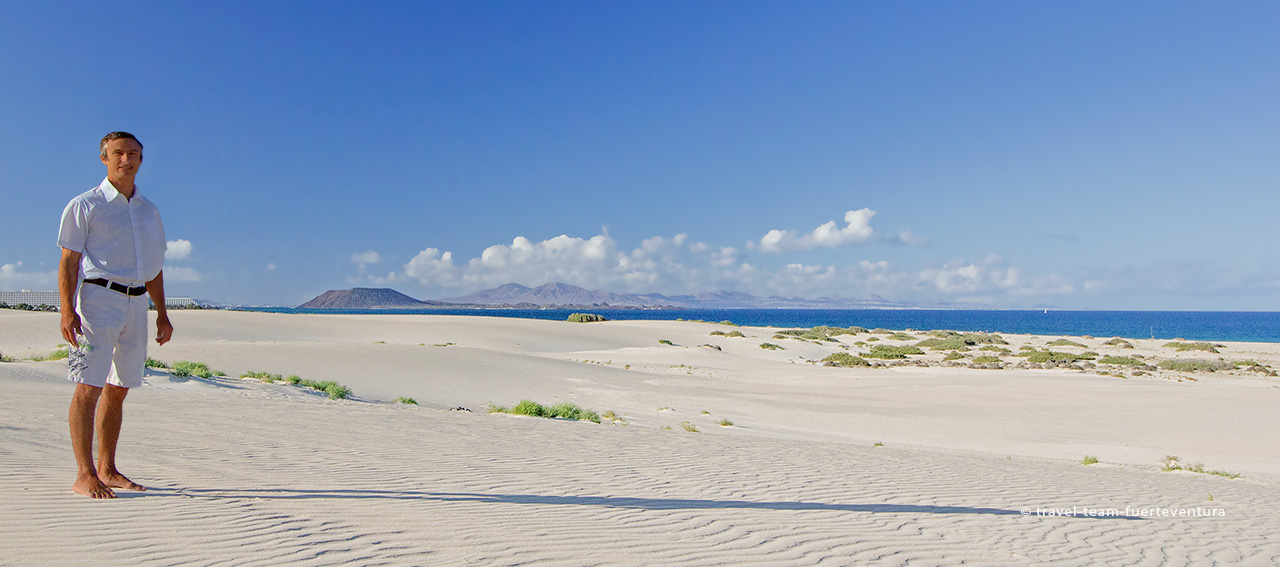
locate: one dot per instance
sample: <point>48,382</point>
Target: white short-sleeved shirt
<point>120,239</point>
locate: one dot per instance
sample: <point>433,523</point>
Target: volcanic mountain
<point>366,298</point>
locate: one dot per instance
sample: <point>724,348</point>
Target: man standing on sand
<point>113,241</point>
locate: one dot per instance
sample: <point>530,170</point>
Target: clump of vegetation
<point>900,337</point>
<point>770,346</point>
<point>153,363</point>
<point>406,401</point>
<point>1065,342</point>
<point>613,417</point>
<point>844,359</point>
<point>1121,360</point>
<point>986,359</point>
<point>1089,460</point>
<point>1195,365</point>
<point>60,353</point>
<point>563,410</point>
<point>1119,342</point>
<point>1042,356</point>
<point>1024,348</point>
<point>729,334</point>
<point>956,341</point>
<point>724,423</point>
<point>263,376</point>
<point>183,368</point>
<point>892,352</point>
<point>877,444</point>
<point>996,349</point>
<point>665,342</point>
<point>820,333</point>
<point>730,323</point>
<point>586,318</point>
<point>4,358</point>
<point>335,390</point>
<point>953,355</point>
<point>689,426</point>
<point>1171,463</point>
<point>445,344</point>
<point>1181,346</point>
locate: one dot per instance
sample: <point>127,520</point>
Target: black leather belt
<point>113,286</point>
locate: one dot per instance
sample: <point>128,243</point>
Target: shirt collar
<point>110,192</point>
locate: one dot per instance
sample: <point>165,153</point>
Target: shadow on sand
<point>605,501</point>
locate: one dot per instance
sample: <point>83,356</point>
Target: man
<point>112,241</point>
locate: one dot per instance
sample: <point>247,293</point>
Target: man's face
<point>123,157</point>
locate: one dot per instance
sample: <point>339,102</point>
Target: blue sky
<point>1101,155</point>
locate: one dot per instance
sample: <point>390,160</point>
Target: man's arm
<point>155,288</point>
<point>68,281</point>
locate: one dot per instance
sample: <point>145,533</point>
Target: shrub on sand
<point>189,368</point>
<point>891,352</point>
<point>845,359</point>
<point>263,376</point>
<point>1181,346</point>
<point>1089,460</point>
<point>770,346</point>
<point>153,363</point>
<point>986,360</point>
<point>1195,365</point>
<point>586,318</point>
<point>1065,342</point>
<point>1121,360</point>
<point>562,411</point>
<point>406,401</point>
<point>689,426</point>
<point>60,353</point>
<point>566,410</point>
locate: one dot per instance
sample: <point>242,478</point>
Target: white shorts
<point>113,349</point>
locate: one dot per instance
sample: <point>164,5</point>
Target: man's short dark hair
<point>115,136</point>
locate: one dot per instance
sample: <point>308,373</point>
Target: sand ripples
<point>243,478</point>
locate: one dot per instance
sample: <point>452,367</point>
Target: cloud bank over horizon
<point>677,264</point>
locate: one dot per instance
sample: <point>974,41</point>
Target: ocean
<point>1249,326</point>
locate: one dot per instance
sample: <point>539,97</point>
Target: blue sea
<point>1250,326</point>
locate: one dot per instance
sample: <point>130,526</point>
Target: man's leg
<point>83,405</point>
<point>110,416</point>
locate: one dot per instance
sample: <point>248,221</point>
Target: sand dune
<point>247,473</point>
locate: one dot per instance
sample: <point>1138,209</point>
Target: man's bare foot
<point>116,480</point>
<point>92,486</point>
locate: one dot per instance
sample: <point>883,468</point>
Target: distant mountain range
<point>560,295</point>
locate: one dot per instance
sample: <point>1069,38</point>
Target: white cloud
<point>271,266</point>
<point>365,258</point>
<point>857,229</point>
<point>11,278</point>
<point>177,249</point>
<point>431,267</point>
<point>180,274</point>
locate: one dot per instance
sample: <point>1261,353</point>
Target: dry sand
<point>248,473</point>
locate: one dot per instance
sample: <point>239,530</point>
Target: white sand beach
<point>904,465</point>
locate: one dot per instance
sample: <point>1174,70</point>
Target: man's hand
<point>71,327</point>
<point>164,329</point>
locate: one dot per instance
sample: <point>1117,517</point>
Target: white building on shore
<point>50,298</point>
